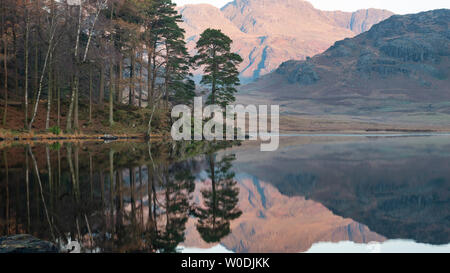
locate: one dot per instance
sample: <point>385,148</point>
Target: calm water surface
<point>316,194</point>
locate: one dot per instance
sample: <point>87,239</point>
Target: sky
<point>397,6</point>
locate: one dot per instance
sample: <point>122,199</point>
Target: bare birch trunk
<point>49,50</point>
<point>50,91</point>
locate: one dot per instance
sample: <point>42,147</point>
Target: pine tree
<point>219,65</point>
<point>178,86</point>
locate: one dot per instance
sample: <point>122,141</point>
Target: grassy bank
<point>129,122</point>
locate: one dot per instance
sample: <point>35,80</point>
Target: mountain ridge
<point>400,65</point>
<point>294,30</point>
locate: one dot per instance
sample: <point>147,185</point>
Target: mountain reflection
<point>398,187</point>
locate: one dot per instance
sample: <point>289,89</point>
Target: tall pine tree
<point>219,65</point>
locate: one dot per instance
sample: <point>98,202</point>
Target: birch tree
<point>50,48</point>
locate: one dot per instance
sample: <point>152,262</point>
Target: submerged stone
<point>25,244</point>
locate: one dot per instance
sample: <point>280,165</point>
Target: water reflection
<point>219,200</point>
<point>398,187</point>
<point>156,197</point>
<point>134,197</point>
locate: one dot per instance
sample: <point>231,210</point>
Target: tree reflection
<point>219,202</point>
<point>178,186</point>
<point>136,197</point>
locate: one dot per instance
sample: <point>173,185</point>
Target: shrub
<point>55,130</point>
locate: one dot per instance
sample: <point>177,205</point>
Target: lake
<point>316,193</point>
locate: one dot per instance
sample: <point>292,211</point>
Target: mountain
<point>359,21</point>
<point>400,65</point>
<point>269,32</point>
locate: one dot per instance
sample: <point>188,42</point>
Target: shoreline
<point>30,137</point>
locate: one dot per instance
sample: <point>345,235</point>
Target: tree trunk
<point>50,91</point>
<point>49,50</point>
<point>16,52</point>
<point>166,79</point>
<point>69,115</point>
<point>27,34</point>
<point>213,89</point>
<point>58,90</point>
<point>131,87</point>
<point>36,52</point>
<point>75,105</point>
<point>101,93</point>
<point>90,93</point>
<point>36,68</point>
<point>74,98</point>
<point>111,94</point>
<point>149,76</point>
<point>119,82</point>
<point>154,73</point>
<point>140,81</point>
<point>5,65</point>
<point>111,81</point>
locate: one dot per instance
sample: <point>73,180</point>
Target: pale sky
<point>397,6</point>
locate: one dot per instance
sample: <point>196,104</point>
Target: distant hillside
<point>269,32</point>
<point>400,65</point>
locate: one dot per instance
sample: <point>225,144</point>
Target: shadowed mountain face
<point>359,21</point>
<point>269,32</point>
<point>400,65</point>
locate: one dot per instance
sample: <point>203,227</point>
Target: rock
<point>25,243</point>
<point>302,72</point>
<point>407,49</point>
<point>109,137</point>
